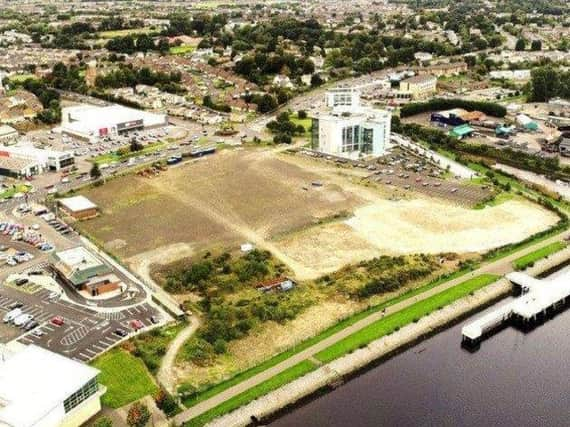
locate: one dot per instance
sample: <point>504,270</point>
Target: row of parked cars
<point>57,224</point>
<point>17,317</point>
<point>26,234</point>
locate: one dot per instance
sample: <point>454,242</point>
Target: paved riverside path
<point>500,267</point>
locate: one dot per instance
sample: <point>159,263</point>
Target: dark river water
<point>514,379</point>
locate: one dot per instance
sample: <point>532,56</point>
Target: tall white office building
<point>348,129</point>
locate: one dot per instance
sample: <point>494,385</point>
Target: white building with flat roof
<point>25,160</point>
<point>348,129</point>
<point>39,388</point>
<point>90,122</point>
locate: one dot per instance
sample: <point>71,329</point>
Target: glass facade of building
<point>357,138</point>
<point>81,395</point>
<point>315,134</point>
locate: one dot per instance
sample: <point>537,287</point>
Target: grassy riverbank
<point>395,321</point>
<point>529,259</point>
<point>374,331</point>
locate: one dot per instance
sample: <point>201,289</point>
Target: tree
<point>163,45</point>
<point>135,145</point>
<point>521,44</point>
<point>145,43</point>
<point>95,172</point>
<point>536,45</point>
<point>316,80</point>
<point>165,402</point>
<point>138,415</point>
<point>302,114</point>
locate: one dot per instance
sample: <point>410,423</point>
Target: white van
<point>11,315</point>
<point>22,319</point>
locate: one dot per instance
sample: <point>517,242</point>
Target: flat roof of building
<point>89,118</point>
<point>78,258</point>
<point>15,164</point>
<point>7,130</point>
<point>77,203</point>
<point>420,79</point>
<point>33,381</point>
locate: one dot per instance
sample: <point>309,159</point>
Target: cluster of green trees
<point>202,24</point>
<point>228,319</point>
<point>141,43</point>
<point>438,104</point>
<point>284,129</point>
<point>267,102</point>
<point>210,103</point>
<point>128,76</point>
<point>49,98</point>
<point>114,23</point>
<point>255,67</point>
<point>548,82</point>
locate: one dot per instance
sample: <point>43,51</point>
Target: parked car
<point>58,321</point>
<point>31,325</point>
<point>11,315</point>
<point>15,305</point>
<point>136,324</point>
<point>121,332</point>
<point>37,333</point>
<point>21,281</point>
<point>22,319</point>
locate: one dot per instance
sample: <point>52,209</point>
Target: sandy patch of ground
<point>142,263</point>
<point>415,226</point>
<point>422,227</point>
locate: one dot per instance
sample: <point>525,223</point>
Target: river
<point>514,379</point>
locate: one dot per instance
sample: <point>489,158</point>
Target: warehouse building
<point>78,207</point>
<point>39,388</point>
<point>90,123</point>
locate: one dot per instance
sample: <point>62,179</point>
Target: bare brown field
<point>267,199</point>
<point>220,201</point>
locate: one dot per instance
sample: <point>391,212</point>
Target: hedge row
<point>437,104</point>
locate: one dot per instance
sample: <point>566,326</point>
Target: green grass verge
<point>529,259</point>
<point>19,188</point>
<point>116,157</point>
<point>253,393</point>
<point>125,377</point>
<point>306,123</point>
<point>238,378</point>
<point>403,317</point>
<point>182,49</point>
<point>122,33</point>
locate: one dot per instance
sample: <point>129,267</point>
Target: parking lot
<point>84,334</point>
<point>408,172</point>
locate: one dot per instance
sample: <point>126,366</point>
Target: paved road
<point>500,267</point>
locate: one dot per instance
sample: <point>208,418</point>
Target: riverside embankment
<point>381,349</point>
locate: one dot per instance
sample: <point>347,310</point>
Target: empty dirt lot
<point>268,199</point>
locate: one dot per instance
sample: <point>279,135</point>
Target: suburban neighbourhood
<point>230,213</point>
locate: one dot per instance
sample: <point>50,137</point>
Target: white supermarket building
<point>39,388</point>
<point>90,123</point>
